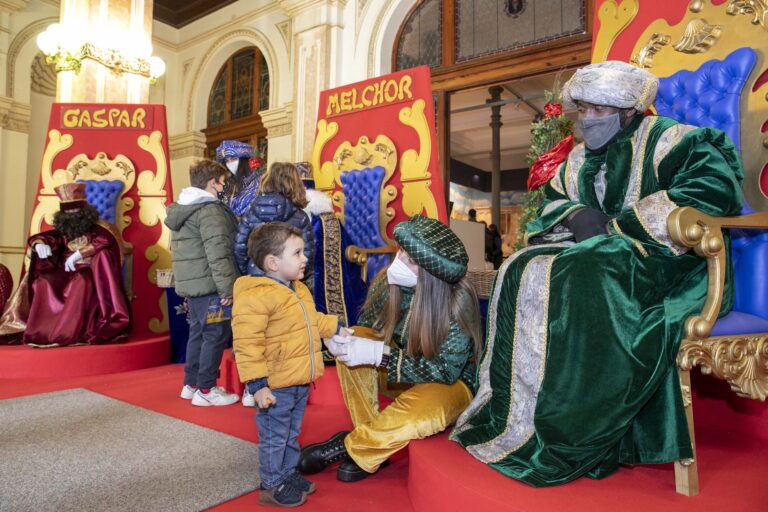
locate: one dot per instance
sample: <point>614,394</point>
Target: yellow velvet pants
<point>418,411</point>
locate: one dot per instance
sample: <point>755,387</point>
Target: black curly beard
<point>76,223</point>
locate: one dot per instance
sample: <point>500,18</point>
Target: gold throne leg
<point>686,470</point>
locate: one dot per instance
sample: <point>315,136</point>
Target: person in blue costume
<point>578,374</point>
<point>243,184</point>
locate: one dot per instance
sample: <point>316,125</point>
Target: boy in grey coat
<point>202,237</point>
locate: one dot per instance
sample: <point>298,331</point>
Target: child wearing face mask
<point>243,183</point>
<point>282,197</point>
<point>420,325</point>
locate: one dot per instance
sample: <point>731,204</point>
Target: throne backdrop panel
<point>118,135</point>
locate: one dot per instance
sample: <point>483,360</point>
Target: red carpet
<point>23,362</point>
<point>437,475</point>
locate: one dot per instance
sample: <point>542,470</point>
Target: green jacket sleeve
<point>217,243</point>
<point>556,207</point>
<point>702,171</point>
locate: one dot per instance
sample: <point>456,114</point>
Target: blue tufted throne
<point>734,347</point>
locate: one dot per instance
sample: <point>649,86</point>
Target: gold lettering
<point>124,119</point>
<point>355,104</point>
<point>113,113</point>
<point>138,118</point>
<point>345,103</point>
<point>405,87</point>
<point>333,101</point>
<point>366,101</point>
<point>70,117</point>
<point>85,119</point>
<point>378,93</point>
<point>98,118</point>
<point>391,86</point>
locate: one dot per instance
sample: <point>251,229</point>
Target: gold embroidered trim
<point>557,182</point>
<point>652,212</point>
<point>639,142</point>
<point>634,241</point>
<point>668,140</point>
<point>334,284</point>
<point>573,170</point>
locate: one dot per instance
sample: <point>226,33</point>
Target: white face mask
<point>400,274</point>
<point>233,165</point>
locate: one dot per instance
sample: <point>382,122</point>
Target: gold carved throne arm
<point>742,360</point>
<point>360,255</point>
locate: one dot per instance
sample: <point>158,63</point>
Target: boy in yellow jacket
<point>277,341</point>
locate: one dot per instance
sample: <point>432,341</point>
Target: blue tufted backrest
<point>103,195</point>
<point>708,97</point>
<point>361,212</point>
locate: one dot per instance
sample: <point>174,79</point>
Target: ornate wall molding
<point>14,116</point>
<point>12,5</point>
<point>285,31</point>
<point>43,76</point>
<point>278,121</point>
<point>17,44</point>
<point>187,144</point>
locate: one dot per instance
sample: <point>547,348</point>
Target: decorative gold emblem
<point>758,9</point>
<point>699,36</point>
<point>696,5</point>
<point>613,20</point>
<point>740,360</point>
<point>644,58</point>
<point>323,174</point>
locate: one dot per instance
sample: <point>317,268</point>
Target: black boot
<point>349,471</point>
<point>316,457</point>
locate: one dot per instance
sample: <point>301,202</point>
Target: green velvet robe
<point>578,373</point>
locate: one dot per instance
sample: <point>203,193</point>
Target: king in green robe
<point>578,373</point>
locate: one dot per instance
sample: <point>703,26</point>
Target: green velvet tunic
<point>578,373</point>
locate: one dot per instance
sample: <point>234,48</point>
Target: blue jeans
<point>279,426</point>
<point>205,345</point>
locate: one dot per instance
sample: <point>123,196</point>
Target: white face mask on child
<point>400,274</point>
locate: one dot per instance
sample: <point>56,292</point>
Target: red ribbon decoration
<point>553,110</point>
<point>255,162</point>
<point>545,167</point>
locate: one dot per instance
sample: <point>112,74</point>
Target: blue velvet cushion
<point>361,212</point>
<point>708,97</point>
<point>103,195</point>
<point>737,322</point>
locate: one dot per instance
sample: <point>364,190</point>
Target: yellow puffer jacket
<point>277,332</point>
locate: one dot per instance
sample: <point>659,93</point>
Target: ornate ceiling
<point>178,13</point>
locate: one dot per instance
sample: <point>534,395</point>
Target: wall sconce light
<point>68,51</point>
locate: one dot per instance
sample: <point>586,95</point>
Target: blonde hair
<point>283,178</point>
<point>427,324</point>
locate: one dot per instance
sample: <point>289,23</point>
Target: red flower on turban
<point>553,110</point>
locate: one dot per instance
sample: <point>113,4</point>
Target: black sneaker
<point>301,483</point>
<point>316,457</point>
<point>284,495</point>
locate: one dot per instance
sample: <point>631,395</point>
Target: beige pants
<point>418,411</point>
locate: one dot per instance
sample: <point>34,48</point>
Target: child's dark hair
<point>204,171</point>
<point>269,239</point>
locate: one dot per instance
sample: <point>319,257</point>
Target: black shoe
<point>284,495</point>
<point>316,457</point>
<point>301,483</point>
<point>349,471</point>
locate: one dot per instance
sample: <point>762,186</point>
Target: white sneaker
<point>187,392</point>
<point>248,400</point>
<point>216,396</point>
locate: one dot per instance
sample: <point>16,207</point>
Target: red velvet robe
<point>88,305</point>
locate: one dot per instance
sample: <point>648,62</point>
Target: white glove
<point>337,345</point>
<point>362,351</point>
<point>69,265</point>
<point>43,250</point>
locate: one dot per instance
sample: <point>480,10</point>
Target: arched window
<point>240,91</point>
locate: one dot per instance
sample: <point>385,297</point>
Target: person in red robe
<point>73,292</point>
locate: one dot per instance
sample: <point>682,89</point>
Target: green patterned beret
<point>434,247</point>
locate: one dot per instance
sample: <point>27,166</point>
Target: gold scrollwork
<point>102,168</point>
<point>323,173</point>
<point>740,360</point>
<point>758,9</point>
<point>699,36</point>
<point>153,183</point>
<point>58,142</point>
<point>644,58</point>
<point>379,153</point>
<point>418,198</point>
<point>414,163</point>
<point>613,20</point>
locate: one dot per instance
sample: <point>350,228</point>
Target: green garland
<point>546,133</point>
